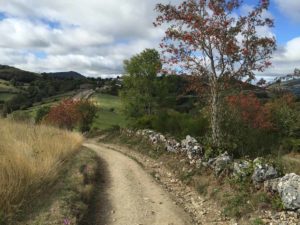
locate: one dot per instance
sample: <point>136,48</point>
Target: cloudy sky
<point>93,37</point>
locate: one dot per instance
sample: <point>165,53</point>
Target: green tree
<point>87,111</point>
<point>140,90</point>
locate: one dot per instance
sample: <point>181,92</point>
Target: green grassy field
<point>6,96</point>
<point>109,113</point>
<point>31,112</point>
<point>7,91</point>
<point>107,101</point>
<point>6,86</point>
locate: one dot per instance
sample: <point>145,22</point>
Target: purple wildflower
<point>67,222</point>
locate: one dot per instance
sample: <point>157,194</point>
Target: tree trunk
<point>214,104</point>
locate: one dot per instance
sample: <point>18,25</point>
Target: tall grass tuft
<point>30,158</point>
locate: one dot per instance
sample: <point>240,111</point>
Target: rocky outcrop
<point>289,191</point>
<point>263,172</point>
<point>241,169</point>
<point>172,145</point>
<point>191,147</point>
<point>152,136</point>
<point>220,163</point>
<point>288,188</point>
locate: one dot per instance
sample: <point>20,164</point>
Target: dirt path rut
<point>132,196</point>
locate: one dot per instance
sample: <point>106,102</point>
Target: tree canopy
<point>139,87</point>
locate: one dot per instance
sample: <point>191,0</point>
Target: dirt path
<point>83,95</point>
<point>132,196</point>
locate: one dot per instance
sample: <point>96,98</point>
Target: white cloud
<point>291,8</point>
<point>292,50</point>
<point>286,59</point>
<point>262,31</point>
<point>93,37</point>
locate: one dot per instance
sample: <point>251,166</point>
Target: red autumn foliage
<point>251,110</point>
<point>288,99</point>
<point>64,115</point>
<point>201,32</point>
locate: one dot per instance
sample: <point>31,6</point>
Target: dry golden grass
<point>291,163</point>
<point>30,158</point>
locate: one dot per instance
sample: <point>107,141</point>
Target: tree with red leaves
<point>64,115</point>
<point>252,112</point>
<point>207,38</point>
<point>72,113</point>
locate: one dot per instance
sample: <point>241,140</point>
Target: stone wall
<point>261,172</point>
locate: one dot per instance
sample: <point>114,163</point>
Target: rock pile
<point>288,188</point>
<point>263,172</point>
<point>191,147</point>
<point>241,169</point>
<point>220,163</point>
<point>172,145</point>
<point>152,136</point>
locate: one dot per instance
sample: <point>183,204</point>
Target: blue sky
<point>95,36</point>
<point>285,28</point>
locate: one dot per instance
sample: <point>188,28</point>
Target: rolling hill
<point>12,73</point>
<point>65,75</point>
<point>291,85</point>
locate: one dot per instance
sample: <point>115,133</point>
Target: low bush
<point>70,114</point>
<point>251,128</point>
<point>175,123</point>
<point>20,101</point>
<point>87,112</point>
<point>41,113</point>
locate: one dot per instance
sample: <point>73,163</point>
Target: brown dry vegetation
<point>31,157</point>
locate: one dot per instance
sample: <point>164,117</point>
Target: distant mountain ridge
<point>65,75</point>
<point>11,73</point>
<point>289,82</point>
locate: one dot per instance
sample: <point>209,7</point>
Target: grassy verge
<point>31,160</point>
<point>291,163</point>
<point>6,96</point>
<point>66,202</point>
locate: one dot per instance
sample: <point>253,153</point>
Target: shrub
<point>291,144</point>
<point>175,123</point>
<point>72,113</point>
<point>285,116</point>
<point>257,221</point>
<point>41,113</point>
<point>20,101</point>
<point>251,111</point>
<point>247,126</point>
<point>87,112</point>
<point>64,115</point>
